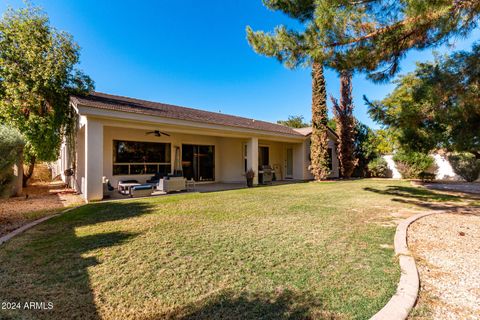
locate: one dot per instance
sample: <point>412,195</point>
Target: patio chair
<point>123,186</point>
<point>107,189</point>
<point>155,178</point>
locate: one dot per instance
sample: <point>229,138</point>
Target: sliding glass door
<point>198,162</point>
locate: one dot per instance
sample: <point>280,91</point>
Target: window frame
<point>168,151</point>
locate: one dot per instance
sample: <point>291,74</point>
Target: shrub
<point>427,176</point>
<point>465,165</point>
<point>414,165</point>
<point>378,167</point>
<point>11,145</point>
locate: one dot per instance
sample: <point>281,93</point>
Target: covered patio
<point>206,188</point>
<point>121,139</point>
<point>214,162</point>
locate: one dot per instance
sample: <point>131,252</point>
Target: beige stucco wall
<point>175,139</point>
<point>229,159</point>
<point>230,154</point>
<point>96,134</point>
<point>94,157</point>
<point>80,172</point>
<point>232,160</point>
<point>277,156</point>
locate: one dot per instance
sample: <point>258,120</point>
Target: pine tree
<point>362,36</point>
<point>295,49</point>
<point>319,139</point>
<point>345,125</point>
<point>373,36</point>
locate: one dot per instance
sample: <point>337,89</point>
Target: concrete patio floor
<point>207,187</point>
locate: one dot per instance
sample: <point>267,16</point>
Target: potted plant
<point>250,174</point>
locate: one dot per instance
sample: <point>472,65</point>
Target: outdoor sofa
<point>170,184</point>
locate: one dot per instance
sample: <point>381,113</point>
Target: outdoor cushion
<point>128,181</point>
<point>142,187</point>
<point>172,184</point>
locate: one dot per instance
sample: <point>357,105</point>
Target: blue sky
<point>194,53</point>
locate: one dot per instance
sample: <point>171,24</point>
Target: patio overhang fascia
<point>142,121</point>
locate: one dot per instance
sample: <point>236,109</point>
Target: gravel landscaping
<point>447,250</point>
<point>466,187</point>
<point>39,199</point>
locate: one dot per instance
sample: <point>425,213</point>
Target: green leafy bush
<point>465,165</point>
<point>11,145</point>
<point>378,167</point>
<point>414,165</point>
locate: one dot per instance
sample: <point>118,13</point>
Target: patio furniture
<point>143,190</point>
<point>169,184</point>
<point>107,188</point>
<point>155,178</point>
<point>125,185</point>
<point>265,175</point>
<point>190,185</point>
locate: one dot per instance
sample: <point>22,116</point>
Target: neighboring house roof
<point>308,131</point>
<point>118,103</point>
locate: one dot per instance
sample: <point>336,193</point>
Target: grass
<point>303,251</point>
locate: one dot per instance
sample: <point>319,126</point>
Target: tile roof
<point>118,103</point>
<point>308,131</point>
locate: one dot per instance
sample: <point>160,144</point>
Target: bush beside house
<point>11,146</point>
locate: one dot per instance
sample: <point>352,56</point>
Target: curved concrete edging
<point>32,224</point>
<point>402,302</point>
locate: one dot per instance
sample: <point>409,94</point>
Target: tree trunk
<point>319,140</point>
<point>28,174</point>
<point>345,122</point>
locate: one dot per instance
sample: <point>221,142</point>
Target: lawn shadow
<point>423,197</point>
<point>50,262</point>
<point>230,305</point>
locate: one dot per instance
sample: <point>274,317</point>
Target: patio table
<point>125,187</point>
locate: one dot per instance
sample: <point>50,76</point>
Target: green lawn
<point>302,251</point>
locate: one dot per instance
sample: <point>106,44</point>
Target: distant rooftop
<point>308,130</point>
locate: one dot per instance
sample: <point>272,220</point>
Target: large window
<point>135,157</point>
<point>198,162</point>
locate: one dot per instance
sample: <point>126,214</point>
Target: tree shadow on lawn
<point>425,198</point>
<point>48,263</point>
<point>228,305</point>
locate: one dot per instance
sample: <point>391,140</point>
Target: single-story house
<point>124,138</point>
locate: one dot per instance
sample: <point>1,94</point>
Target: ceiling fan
<point>157,133</point>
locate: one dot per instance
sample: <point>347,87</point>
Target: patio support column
<point>299,157</point>
<point>252,157</point>
<point>93,160</point>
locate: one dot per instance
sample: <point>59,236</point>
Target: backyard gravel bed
<point>466,187</point>
<point>447,251</point>
<point>40,199</point>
